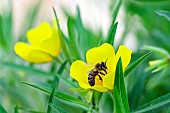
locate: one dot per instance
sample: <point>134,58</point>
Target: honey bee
<point>98,70</point>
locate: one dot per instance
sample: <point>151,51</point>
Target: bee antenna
<point>106,61</point>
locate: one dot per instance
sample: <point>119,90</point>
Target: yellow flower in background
<point>99,71</point>
<point>43,46</point>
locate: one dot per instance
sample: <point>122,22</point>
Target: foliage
<point>39,88</point>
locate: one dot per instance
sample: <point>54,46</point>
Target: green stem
<point>53,71</point>
<point>53,67</point>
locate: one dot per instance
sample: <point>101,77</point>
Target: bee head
<point>103,65</point>
<point>97,65</point>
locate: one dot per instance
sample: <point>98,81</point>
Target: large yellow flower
<point>99,71</point>
<point>44,44</point>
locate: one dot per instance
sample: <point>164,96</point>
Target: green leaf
<point>62,40</point>
<point>119,94</point>
<point>58,109</point>
<point>30,111</point>
<point>66,81</point>
<point>136,63</point>
<point>16,109</point>
<point>116,10</point>
<point>158,102</point>
<point>2,110</point>
<point>73,39</point>
<point>111,34</point>
<point>8,26</point>
<point>117,101</point>
<point>86,38</point>
<point>49,109</point>
<point>157,50</point>
<point>2,38</point>
<point>61,95</point>
<point>62,67</point>
<point>163,13</point>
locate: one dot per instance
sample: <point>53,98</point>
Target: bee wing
<point>88,71</point>
<point>89,64</point>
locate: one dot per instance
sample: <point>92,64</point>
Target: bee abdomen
<point>91,78</point>
<point>91,81</point>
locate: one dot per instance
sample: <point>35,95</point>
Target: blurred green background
<point>138,25</point>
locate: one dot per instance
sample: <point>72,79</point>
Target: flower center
<point>96,74</point>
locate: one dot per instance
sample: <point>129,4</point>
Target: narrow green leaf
<point>85,36</point>
<point>163,13</point>
<point>62,96</point>
<point>116,10</point>
<point>73,39</point>
<point>2,110</point>
<point>111,34</point>
<point>78,19</point>
<point>157,50</point>
<point>62,67</point>
<point>136,63</point>
<point>2,38</point>
<point>44,89</point>
<point>120,96</point>
<point>158,102</point>
<point>30,111</point>
<point>66,81</point>
<point>61,36</point>
<point>49,109</point>
<point>8,26</point>
<point>58,109</point>
<point>16,109</point>
<point>73,100</point>
<point>117,101</point>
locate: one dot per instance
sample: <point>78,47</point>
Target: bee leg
<point>105,71</point>
<point>101,73</point>
<point>100,77</point>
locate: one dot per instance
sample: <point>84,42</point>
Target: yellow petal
<point>108,80</point>
<point>99,88</point>
<point>31,54</point>
<point>100,54</point>
<point>45,38</point>
<point>125,55</point>
<point>51,45</point>
<point>37,35</point>
<point>111,64</point>
<point>79,71</point>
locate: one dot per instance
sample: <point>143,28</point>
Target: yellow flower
<point>44,44</point>
<point>99,71</point>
